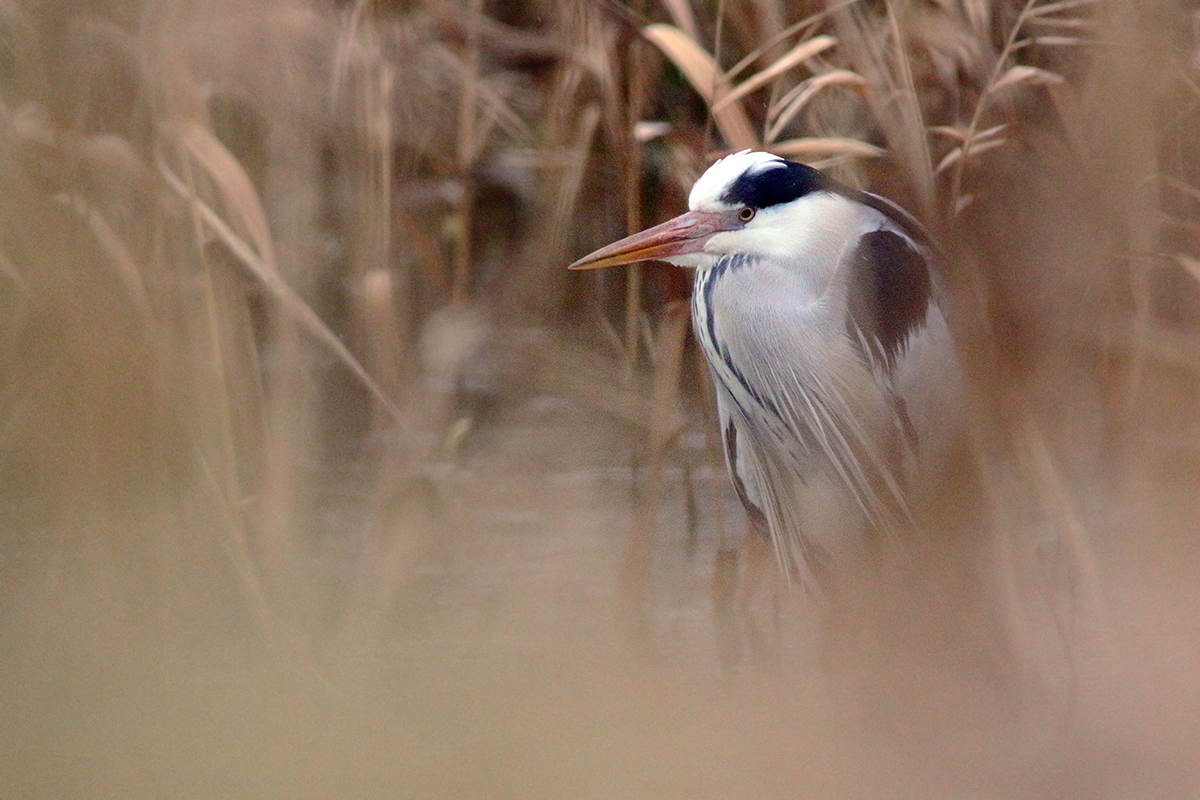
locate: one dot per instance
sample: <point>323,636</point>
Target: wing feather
<point>815,380</point>
<point>812,425</point>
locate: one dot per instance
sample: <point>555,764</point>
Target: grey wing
<point>812,423</point>
<point>893,317</point>
<point>768,482</point>
<point>827,392</point>
<point>831,475</point>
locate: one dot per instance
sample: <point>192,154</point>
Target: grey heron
<point>838,386</point>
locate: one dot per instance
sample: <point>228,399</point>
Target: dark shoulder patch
<point>888,293</point>
<point>770,187</point>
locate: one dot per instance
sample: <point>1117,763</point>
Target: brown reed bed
<point>323,477</point>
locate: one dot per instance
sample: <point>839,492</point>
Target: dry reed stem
<point>797,55</point>
<point>635,101</point>
<point>1003,75</point>
<point>669,338</point>
<point>218,340</point>
<point>782,113</point>
<point>667,351</point>
<point>705,76</point>
<point>262,268</point>
<point>893,98</point>
<point>468,148</point>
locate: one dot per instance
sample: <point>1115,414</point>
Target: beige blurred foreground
<point>321,477</point>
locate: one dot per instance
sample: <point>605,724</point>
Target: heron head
<point>733,208</point>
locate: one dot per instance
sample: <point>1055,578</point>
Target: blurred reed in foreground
<point>322,476</point>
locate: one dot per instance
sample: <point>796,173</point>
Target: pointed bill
<point>687,233</point>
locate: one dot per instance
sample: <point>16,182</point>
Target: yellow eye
<point>746,214</point>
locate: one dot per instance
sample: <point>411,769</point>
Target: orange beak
<point>687,233</point>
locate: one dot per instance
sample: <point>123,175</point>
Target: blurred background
<point>322,477</point>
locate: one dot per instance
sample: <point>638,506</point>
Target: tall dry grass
<point>322,476</point>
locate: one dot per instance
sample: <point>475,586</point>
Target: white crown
<point>706,194</point>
